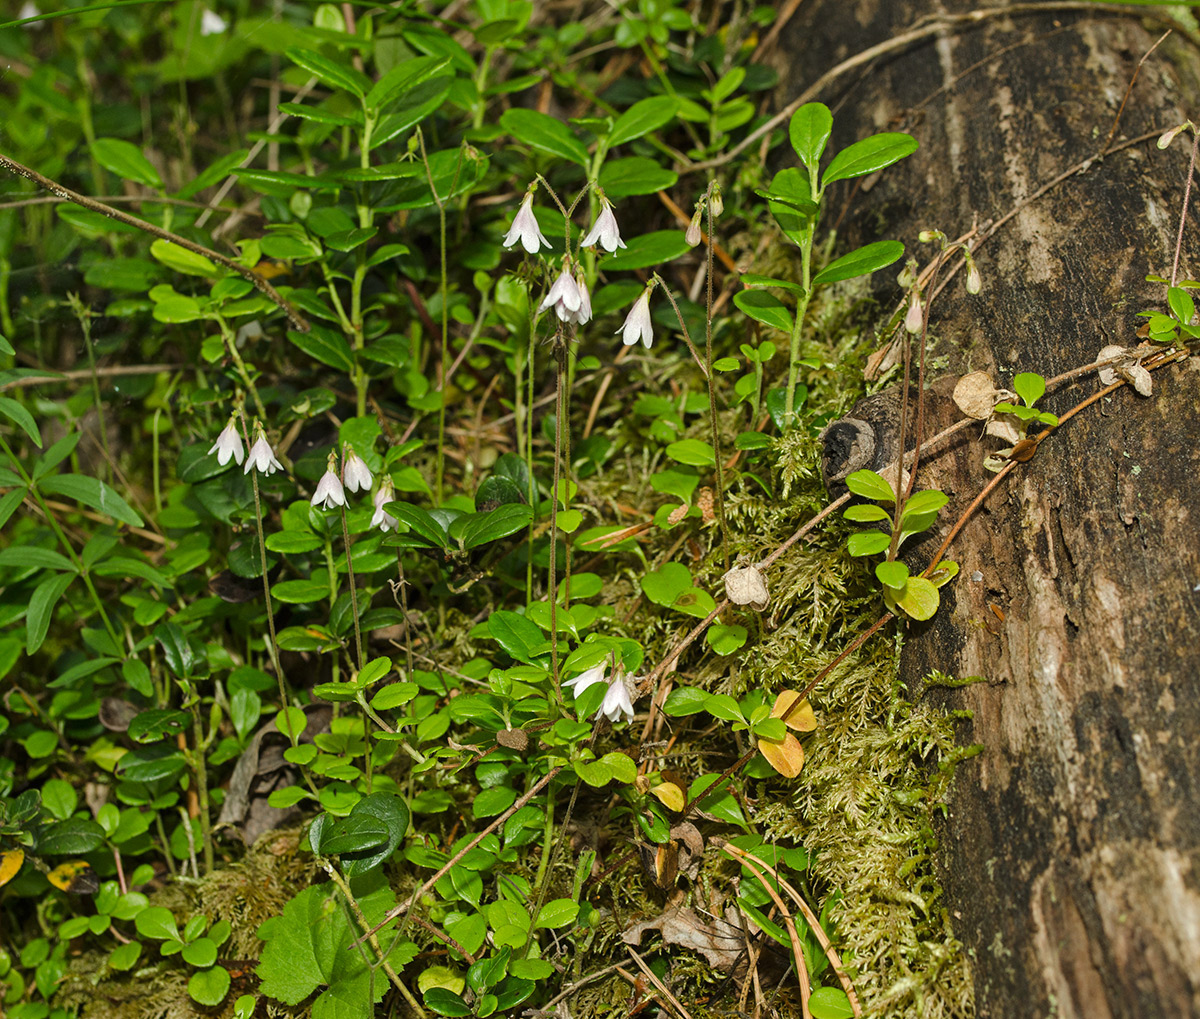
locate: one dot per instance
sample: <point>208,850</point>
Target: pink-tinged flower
<point>356,473</point>
<point>974,280</point>
<point>565,297</point>
<point>916,314</point>
<point>211,23</point>
<point>229,444</point>
<point>329,491</point>
<point>604,231</point>
<point>585,301</point>
<point>616,703</point>
<point>382,518</point>
<point>525,228</point>
<point>694,234</point>
<point>637,323</point>
<point>262,457</point>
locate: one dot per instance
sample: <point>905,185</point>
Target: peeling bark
<point>1071,855</point>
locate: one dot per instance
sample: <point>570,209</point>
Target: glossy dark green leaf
<point>504,520</point>
<point>641,118</point>
<point>126,160</point>
<point>765,308</point>
<point>325,345</point>
<point>41,609</point>
<point>809,132</point>
<point>869,155</point>
<point>92,493</point>
<point>636,175</point>
<point>17,413</point>
<point>860,262</point>
<point>156,724</point>
<point>74,836</point>
<point>654,248</point>
<point>544,133</point>
<point>331,72</point>
<point>354,834</point>
<point>519,636</point>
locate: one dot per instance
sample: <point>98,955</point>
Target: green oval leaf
<point>209,986</point>
<point>506,519</point>
<point>765,308</point>
<point>830,1003</point>
<point>544,133</point>
<point>1030,387</point>
<point>860,262</point>
<point>809,132</point>
<point>654,248</point>
<point>126,160</point>
<point>726,639</point>
<point>92,493</point>
<point>641,118</point>
<point>519,636</point>
<point>868,543</point>
<point>892,574</point>
<point>692,451</point>
<point>201,952</point>
<point>870,485</point>
<point>157,922</point>
<point>869,155</point>
<point>16,413</point>
<point>558,912</point>
<point>919,599</point>
<point>325,345</point>
<point>183,260</point>
<point>330,72</point>
<point>354,834</point>
<point>636,175</point>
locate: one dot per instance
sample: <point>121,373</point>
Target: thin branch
<point>296,319</point>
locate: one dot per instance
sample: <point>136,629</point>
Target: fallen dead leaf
<point>719,941</point>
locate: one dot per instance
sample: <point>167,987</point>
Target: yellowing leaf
<point>786,756</point>
<point>669,795</point>
<point>801,719</point>
<point>10,864</point>
<point>75,876</point>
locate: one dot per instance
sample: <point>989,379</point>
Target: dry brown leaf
<point>1004,429</point>
<point>745,585</point>
<point>720,942</point>
<point>1138,377</point>
<point>1108,374</point>
<point>975,395</point>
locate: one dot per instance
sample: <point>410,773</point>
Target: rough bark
<point>1071,854</point>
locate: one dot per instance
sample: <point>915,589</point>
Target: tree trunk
<point>1071,854</point>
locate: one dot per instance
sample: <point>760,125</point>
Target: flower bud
<point>974,280</point>
<point>916,315</point>
<point>1167,137</point>
<point>694,236</point>
<point>716,204</point>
